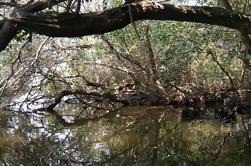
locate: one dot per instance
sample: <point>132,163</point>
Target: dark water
<point>133,136</point>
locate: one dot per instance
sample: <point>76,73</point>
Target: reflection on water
<point>132,136</point>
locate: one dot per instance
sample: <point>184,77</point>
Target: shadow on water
<point>131,136</point>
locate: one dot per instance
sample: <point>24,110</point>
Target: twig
<point>227,74</point>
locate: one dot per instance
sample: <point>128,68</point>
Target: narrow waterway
<point>131,136</point>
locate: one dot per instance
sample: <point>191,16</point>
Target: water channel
<point>139,136</point>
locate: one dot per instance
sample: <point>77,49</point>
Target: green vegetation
<point>69,67</point>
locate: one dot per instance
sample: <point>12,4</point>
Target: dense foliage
<point>59,97</point>
<point>156,61</point>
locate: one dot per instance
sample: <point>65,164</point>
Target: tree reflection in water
<point>131,136</point>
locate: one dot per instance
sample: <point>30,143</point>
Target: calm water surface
<point>132,136</point>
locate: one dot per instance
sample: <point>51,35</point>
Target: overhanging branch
<point>8,29</point>
<point>76,25</point>
<point>73,25</point>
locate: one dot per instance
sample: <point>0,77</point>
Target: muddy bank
<point>198,99</point>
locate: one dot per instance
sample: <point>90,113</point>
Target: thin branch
<point>177,88</point>
<point>227,74</point>
<point>12,69</point>
<point>127,57</point>
<point>111,66</point>
<point>78,7</point>
<point>151,56</point>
